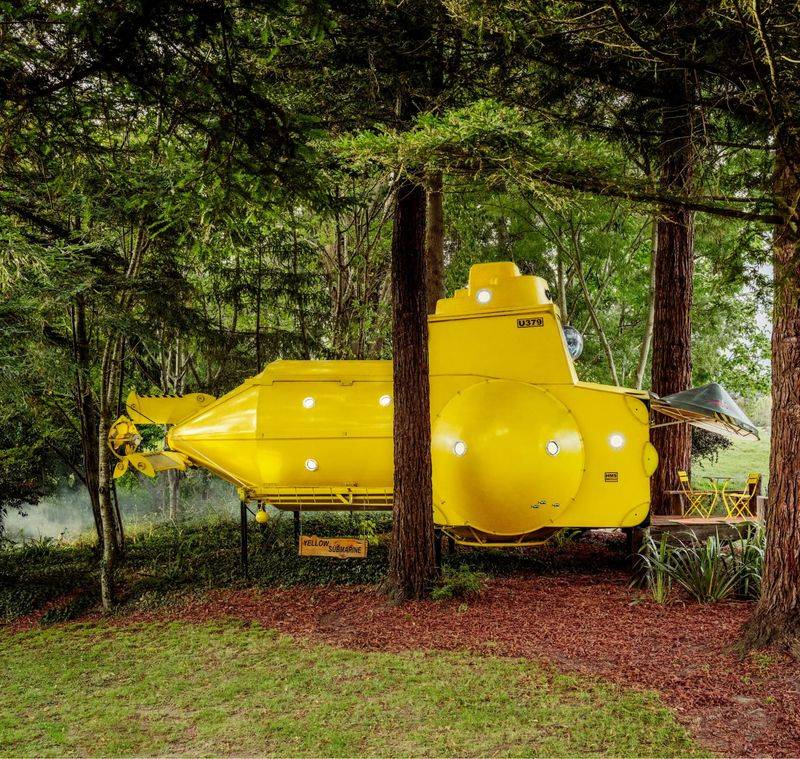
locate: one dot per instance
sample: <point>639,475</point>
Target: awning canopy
<point>709,407</point>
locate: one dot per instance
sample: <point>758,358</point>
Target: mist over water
<point>67,514</point>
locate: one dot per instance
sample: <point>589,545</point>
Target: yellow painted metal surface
<point>520,447</point>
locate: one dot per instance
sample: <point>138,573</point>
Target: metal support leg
<point>629,544</point>
<point>297,528</point>
<point>451,546</point>
<point>243,539</point>
<point>437,547</point>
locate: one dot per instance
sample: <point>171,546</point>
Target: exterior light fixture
<point>459,448</point>
<point>309,402</point>
<point>552,447</point>
<point>385,400</point>
<point>616,440</point>
<point>483,296</point>
<point>574,341</point>
<point>312,465</point>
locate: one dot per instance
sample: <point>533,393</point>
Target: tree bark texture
<point>672,322</point>
<point>110,382</point>
<point>434,241</point>
<point>109,377</point>
<point>87,412</point>
<point>647,337</point>
<point>174,495</point>
<point>776,620</point>
<point>411,559</point>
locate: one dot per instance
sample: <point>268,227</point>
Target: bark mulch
<point>591,624</point>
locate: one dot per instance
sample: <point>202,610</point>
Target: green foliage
<point>458,582</point>
<point>706,446</point>
<point>747,562</point>
<point>709,570</point>
<point>167,558</point>
<point>171,559</point>
<point>653,566</point>
<point>703,569</point>
<point>42,571</point>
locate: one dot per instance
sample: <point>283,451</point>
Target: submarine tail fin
<point>151,463</point>
<point>165,410</point>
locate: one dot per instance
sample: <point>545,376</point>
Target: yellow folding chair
<point>701,502</point>
<point>737,502</point>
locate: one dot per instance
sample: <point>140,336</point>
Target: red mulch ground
<point>588,623</point>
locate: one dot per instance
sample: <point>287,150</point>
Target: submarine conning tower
<point>502,324</point>
<point>520,447</point>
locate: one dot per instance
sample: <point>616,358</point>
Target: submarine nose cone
<point>508,458</point>
<point>222,437</point>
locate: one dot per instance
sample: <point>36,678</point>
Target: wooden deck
<point>698,527</point>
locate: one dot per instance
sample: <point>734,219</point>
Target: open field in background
<point>227,687</point>
<point>736,462</point>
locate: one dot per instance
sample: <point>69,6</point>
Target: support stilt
<point>437,547</point>
<point>243,539</point>
<point>297,528</point>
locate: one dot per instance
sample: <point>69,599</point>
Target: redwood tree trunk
<point>672,323</point>
<point>411,559</point>
<point>777,617</point>
<point>434,242</point>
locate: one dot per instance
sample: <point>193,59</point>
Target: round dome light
<point>552,447</point>
<point>616,440</point>
<point>312,465</point>
<point>574,341</point>
<point>483,296</point>
<point>309,402</point>
<point>459,448</point>
<point>385,400</point>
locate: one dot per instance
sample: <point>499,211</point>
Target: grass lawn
<point>736,462</point>
<point>227,688</point>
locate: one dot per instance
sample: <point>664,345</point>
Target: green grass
<point>736,462</point>
<point>227,688</point>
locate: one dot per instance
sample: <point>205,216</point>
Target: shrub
<point>458,582</point>
<point>709,570</point>
<point>653,564</point>
<point>705,570</point>
<point>747,555</point>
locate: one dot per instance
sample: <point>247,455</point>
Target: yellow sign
<point>340,548</point>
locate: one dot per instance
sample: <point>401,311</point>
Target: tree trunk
<point>672,323</point>
<point>562,286</point>
<point>647,337</point>
<point>411,559</point>
<point>109,377</point>
<point>174,494</point>
<point>434,241</point>
<point>776,620</point>
<point>87,413</point>
<point>110,385</point>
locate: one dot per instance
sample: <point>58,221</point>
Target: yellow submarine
<point>520,447</point>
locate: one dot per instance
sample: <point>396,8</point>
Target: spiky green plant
<point>704,569</point>
<point>654,558</point>
<point>747,559</point>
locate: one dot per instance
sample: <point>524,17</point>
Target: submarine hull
<point>520,447</point>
